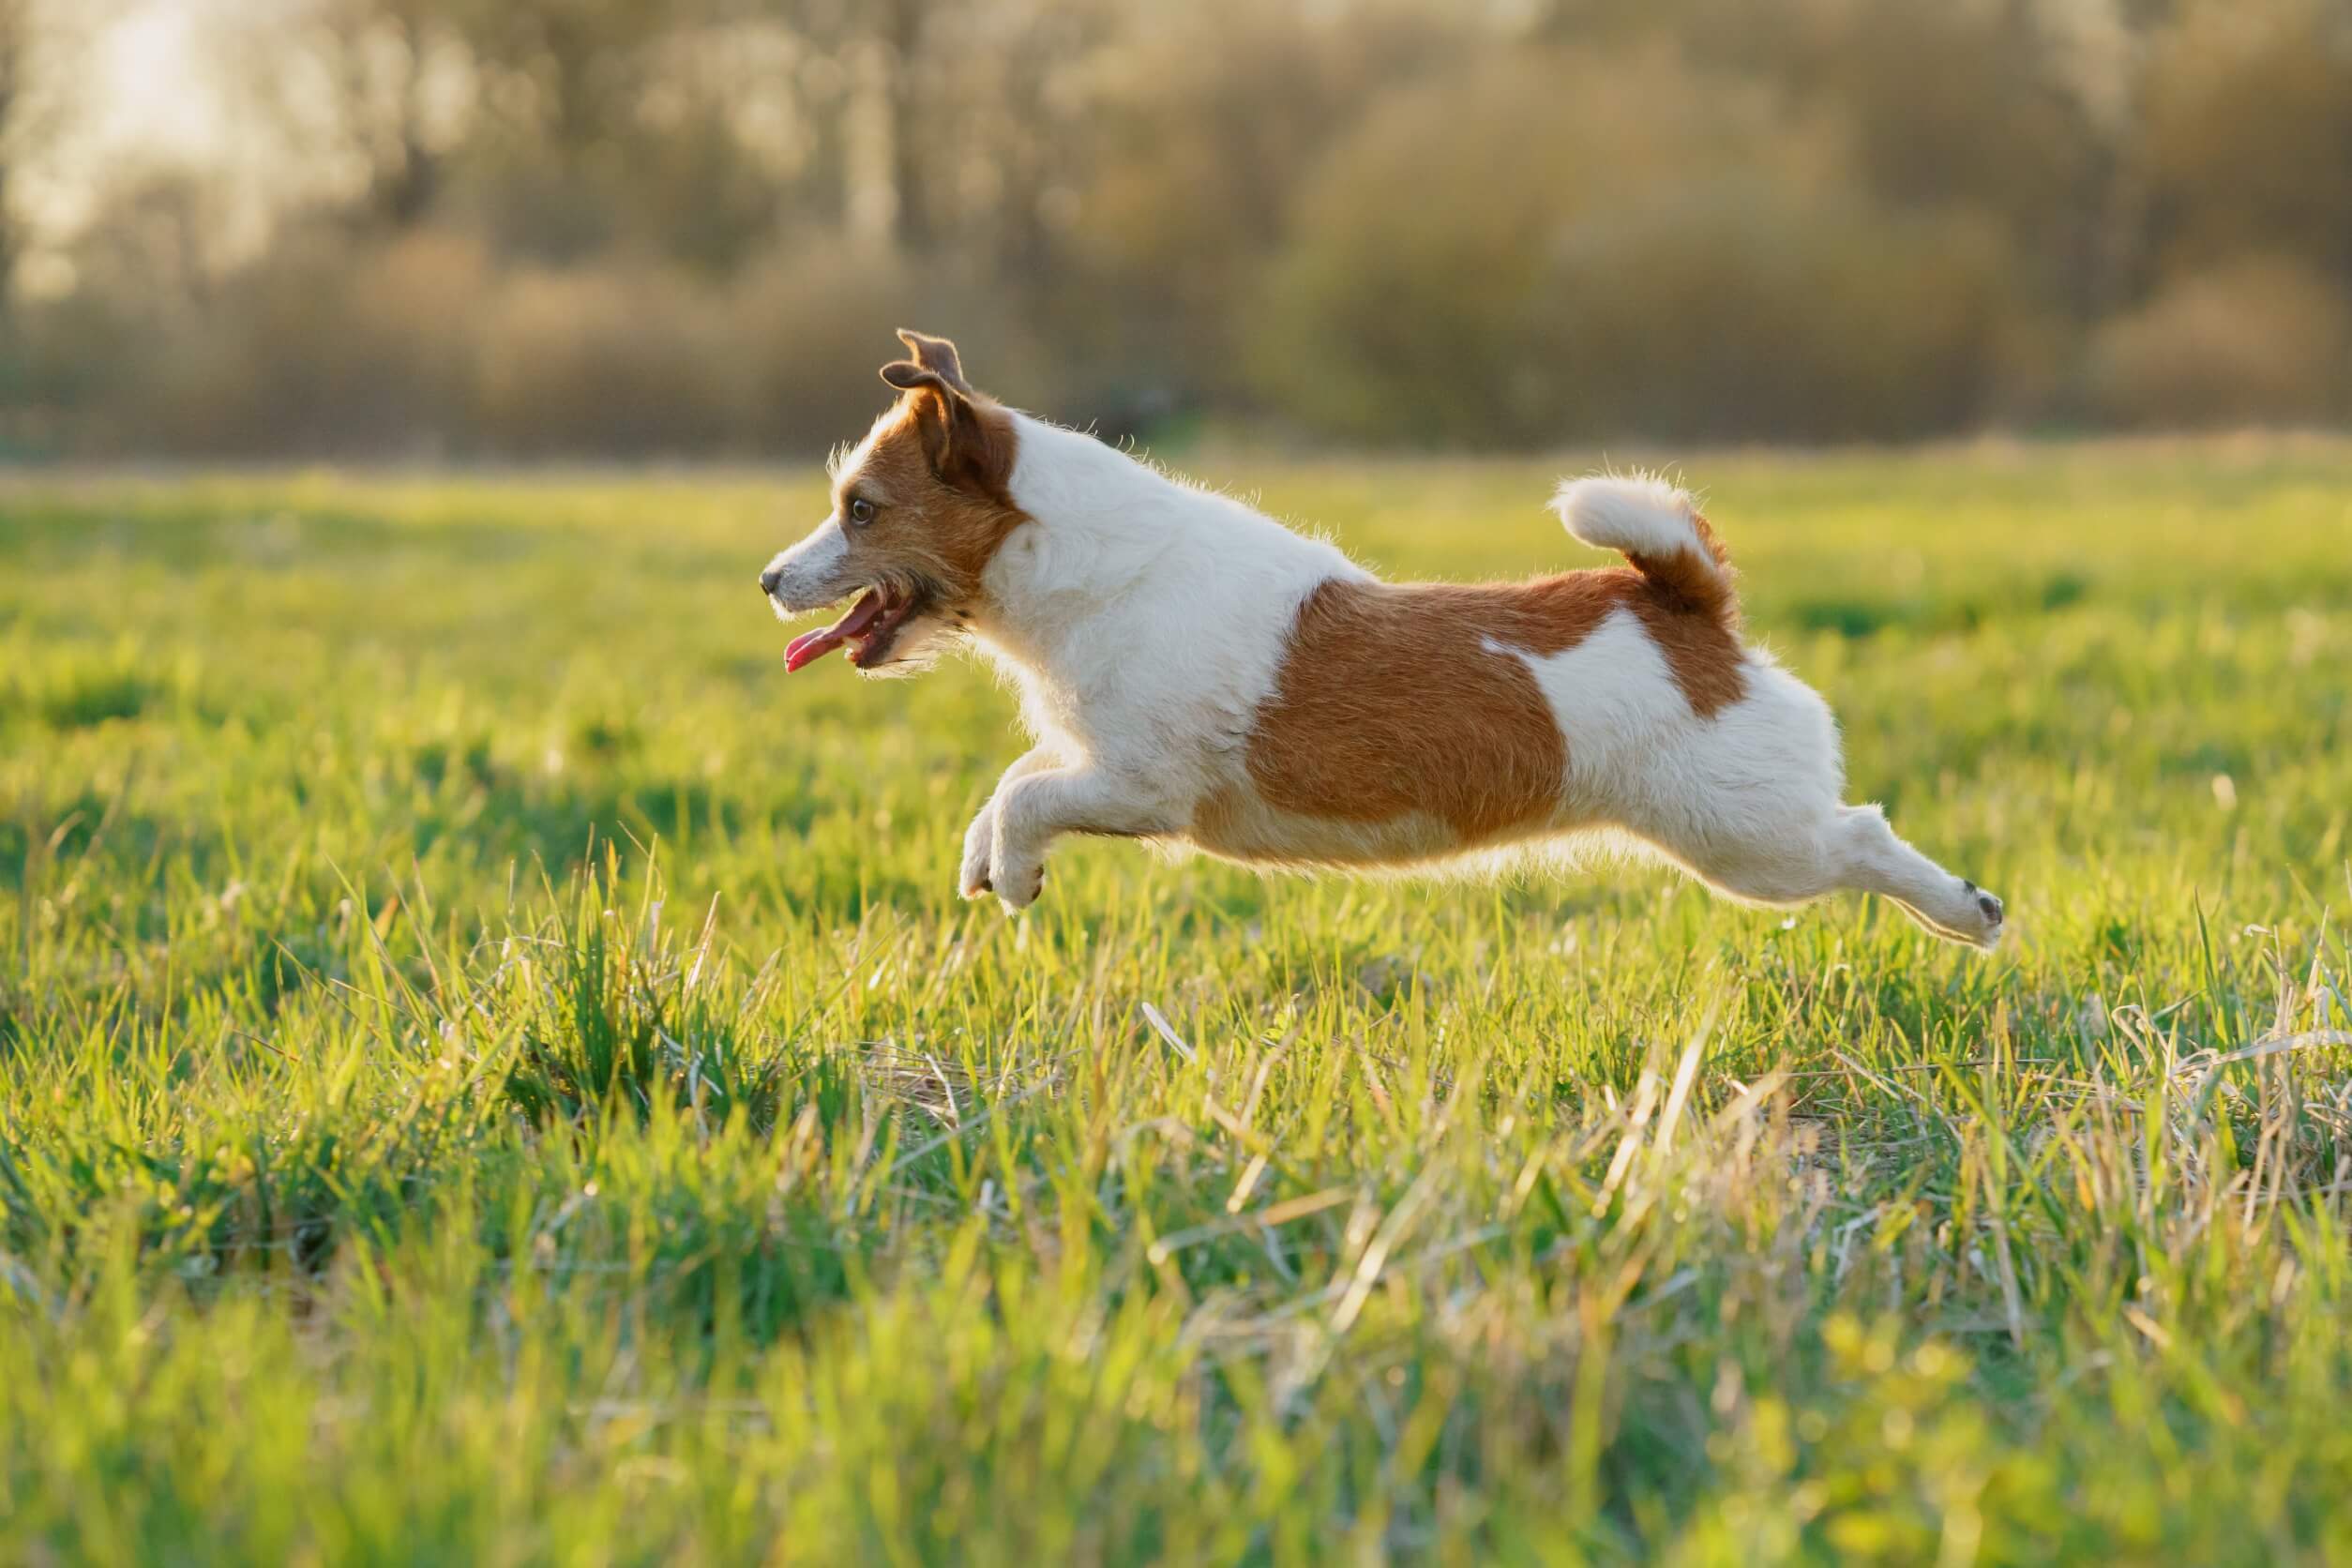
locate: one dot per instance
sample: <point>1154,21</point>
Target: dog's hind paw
<point>1988,913</point>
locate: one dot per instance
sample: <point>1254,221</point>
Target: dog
<point>1195,675</point>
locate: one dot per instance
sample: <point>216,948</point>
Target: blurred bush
<point>566,228</point>
<point>2257,340</point>
<point>322,346</point>
<point>2248,139</point>
<point>811,325</point>
<point>1673,255</point>
<point>626,362</point>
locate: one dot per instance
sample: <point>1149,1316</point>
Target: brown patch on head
<point>936,473</point>
<point>1391,701</point>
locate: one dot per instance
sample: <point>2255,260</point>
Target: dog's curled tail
<point>1660,530</point>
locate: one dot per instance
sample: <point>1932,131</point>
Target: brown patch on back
<point>1216,815</point>
<point>1693,615</point>
<point>1387,704</point>
<point>1390,701</point>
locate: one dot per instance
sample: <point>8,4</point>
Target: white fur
<point>1145,621</point>
<point>1639,514</point>
<point>809,572</point>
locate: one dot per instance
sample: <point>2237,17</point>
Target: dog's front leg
<point>1031,811</point>
<point>980,837</point>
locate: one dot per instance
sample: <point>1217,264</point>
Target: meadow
<point>491,1071</point>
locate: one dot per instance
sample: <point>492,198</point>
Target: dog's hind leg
<point>1875,860</point>
<point>1851,847</point>
<point>1749,802</point>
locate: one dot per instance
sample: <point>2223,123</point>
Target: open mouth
<point>871,626</point>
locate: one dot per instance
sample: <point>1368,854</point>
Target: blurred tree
<point>1607,244</point>
<point>16,45</point>
<point>568,73</point>
<point>1945,102</point>
<point>1507,222</point>
<point>691,191</point>
<point>955,125</point>
<point>153,246</point>
<point>2248,132</point>
<point>1956,102</point>
<point>888,159</point>
<point>561,85</point>
<point>388,77</point>
<point>1204,125</point>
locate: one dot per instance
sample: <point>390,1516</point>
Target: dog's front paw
<point>1017,880</point>
<point>972,879</point>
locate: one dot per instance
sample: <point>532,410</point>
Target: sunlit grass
<point>494,1071</point>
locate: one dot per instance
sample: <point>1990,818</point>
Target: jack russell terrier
<point>1196,674</point>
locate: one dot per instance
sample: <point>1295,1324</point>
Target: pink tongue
<point>817,645</point>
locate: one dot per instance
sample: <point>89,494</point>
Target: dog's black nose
<point>768,579</point>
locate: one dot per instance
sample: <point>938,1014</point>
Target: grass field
<point>495,1072</point>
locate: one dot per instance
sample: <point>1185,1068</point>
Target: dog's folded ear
<point>962,440</point>
<point>935,364</point>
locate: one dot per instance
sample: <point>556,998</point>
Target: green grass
<point>490,1070</point>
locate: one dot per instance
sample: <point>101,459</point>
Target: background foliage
<point>530,228</point>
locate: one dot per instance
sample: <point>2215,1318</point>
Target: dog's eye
<point>860,511</point>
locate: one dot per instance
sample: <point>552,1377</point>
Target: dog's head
<point>919,508</point>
